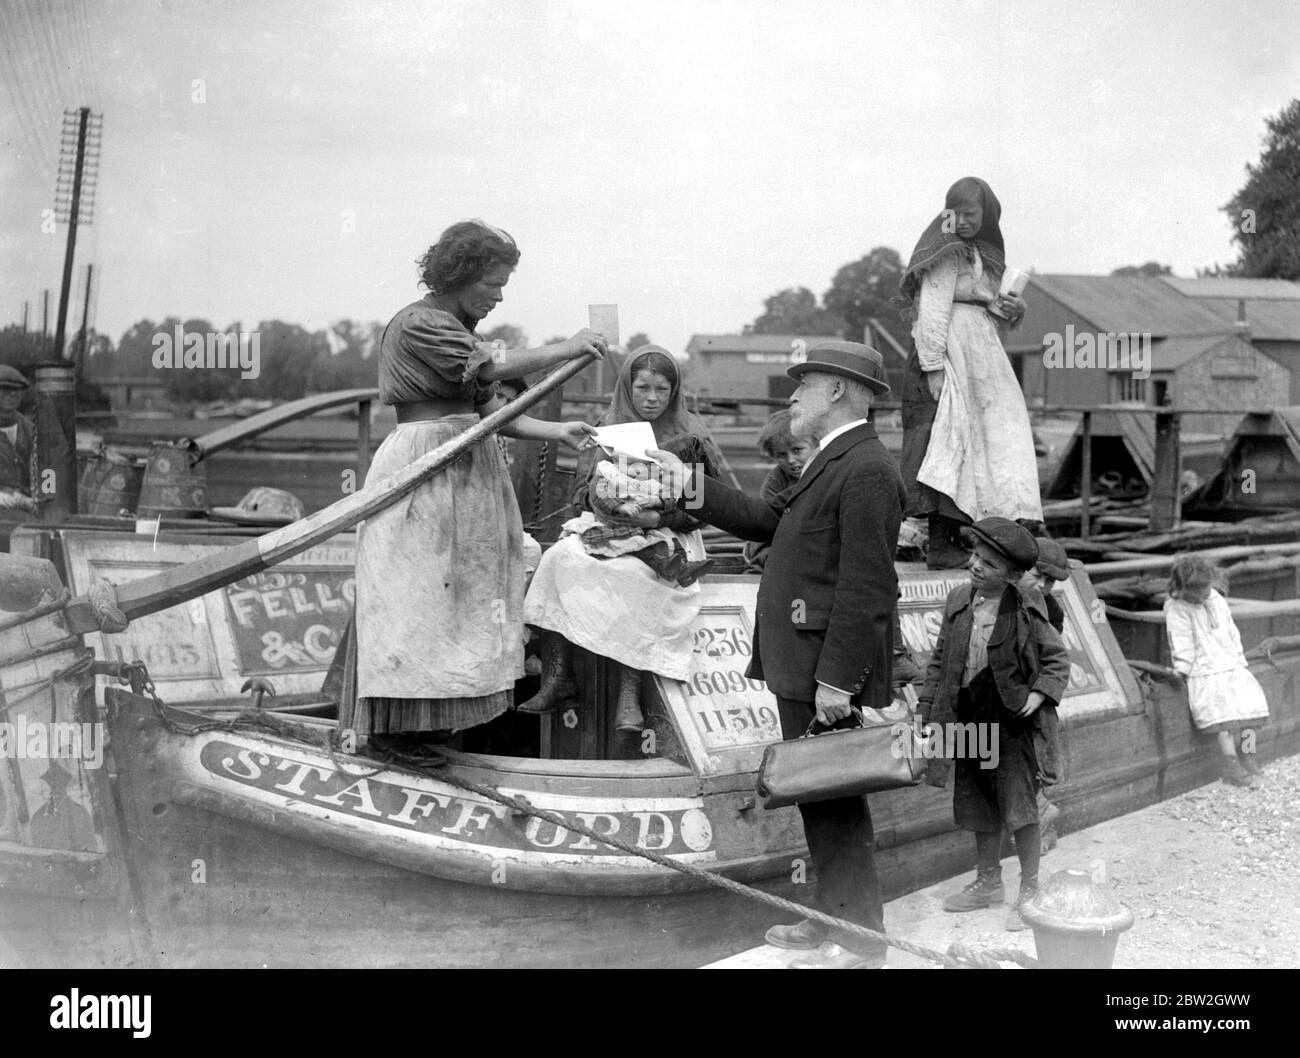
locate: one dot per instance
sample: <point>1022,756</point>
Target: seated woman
<point>619,607</point>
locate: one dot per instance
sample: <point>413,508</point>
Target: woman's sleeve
<point>1182,641</point>
<point>934,311</point>
<point>451,353</point>
<point>587,460</point>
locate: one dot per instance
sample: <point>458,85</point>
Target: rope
<point>957,955</point>
<point>103,600</point>
<point>542,452</point>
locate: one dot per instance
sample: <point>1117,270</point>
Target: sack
<point>845,762</point>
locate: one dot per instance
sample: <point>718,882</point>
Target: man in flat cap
<point>823,636</point>
<point>15,442</point>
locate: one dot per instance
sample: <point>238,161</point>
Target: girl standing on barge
<point>440,578</point>
<point>968,449</point>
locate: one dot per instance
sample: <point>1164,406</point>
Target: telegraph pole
<point>80,355</point>
<point>25,307</point>
<point>77,173</point>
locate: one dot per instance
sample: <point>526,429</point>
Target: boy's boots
<point>985,891</point>
<point>1028,890</point>
<point>557,680</point>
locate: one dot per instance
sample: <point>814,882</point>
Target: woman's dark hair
<point>656,362</point>
<point>463,254</point>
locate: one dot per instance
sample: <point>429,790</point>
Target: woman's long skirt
<point>981,450</point>
<point>440,584</point>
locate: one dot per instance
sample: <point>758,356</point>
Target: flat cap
<point>850,359</point>
<point>1009,539</point>
<point>1052,558</point>
<point>12,378</point>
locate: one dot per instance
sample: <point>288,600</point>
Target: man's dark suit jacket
<point>826,600</point>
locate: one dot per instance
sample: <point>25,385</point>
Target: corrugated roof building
<point>1202,343</point>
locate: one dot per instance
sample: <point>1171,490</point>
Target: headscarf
<point>935,243</point>
<point>677,430</point>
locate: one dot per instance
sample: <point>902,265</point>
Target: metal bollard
<point>1076,923</point>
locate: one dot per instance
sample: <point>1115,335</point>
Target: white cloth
<point>616,607</point>
<point>1206,648</point>
<point>440,575</point>
<point>981,452</point>
<point>11,432</point>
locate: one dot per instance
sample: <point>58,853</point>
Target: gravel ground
<point>1212,878</point>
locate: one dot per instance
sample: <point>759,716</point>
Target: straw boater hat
<point>850,359</point>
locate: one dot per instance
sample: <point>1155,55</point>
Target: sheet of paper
<point>603,319</point>
<point>630,439</point>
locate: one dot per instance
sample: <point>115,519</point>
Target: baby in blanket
<point>620,490</point>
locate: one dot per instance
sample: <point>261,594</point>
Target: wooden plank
<point>246,429</point>
<point>1166,498</point>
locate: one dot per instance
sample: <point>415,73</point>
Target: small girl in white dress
<point>1205,645</point>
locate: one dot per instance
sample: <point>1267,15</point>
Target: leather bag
<point>844,762</point>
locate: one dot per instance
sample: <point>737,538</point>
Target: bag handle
<point>853,709</point>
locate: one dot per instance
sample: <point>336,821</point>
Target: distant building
<point>135,393</point>
<point>754,365</point>
<point>1232,344</point>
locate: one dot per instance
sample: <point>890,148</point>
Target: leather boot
<point>628,717</point>
<point>557,679</point>
<point>665,562</point>
<point>944,550</point>
<point>693,571</point>
<point>985,891</point>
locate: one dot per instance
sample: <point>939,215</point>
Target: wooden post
<point>55,484</point>
<point>1166,501</point>
<point>1085,475</point>
<point>363,441</point>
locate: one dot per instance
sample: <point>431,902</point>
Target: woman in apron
<point>440,575</point>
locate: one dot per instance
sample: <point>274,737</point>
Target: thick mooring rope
<point>957,955</point>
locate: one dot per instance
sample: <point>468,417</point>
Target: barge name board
<point>452,818</point>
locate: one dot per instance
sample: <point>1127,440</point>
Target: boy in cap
<point>15,442</point>
<point>998,662</point>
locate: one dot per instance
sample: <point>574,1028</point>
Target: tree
<point>1151,268</point>
<point>513,337</point>
<point>289,355</point>
<point>795,311</point>
<point>1265,213</point>
<point>863,289</point>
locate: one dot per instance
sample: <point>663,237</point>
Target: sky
<point>684,160</point>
